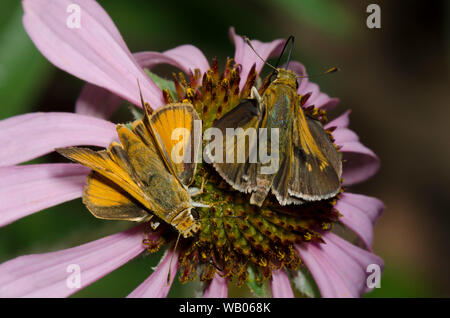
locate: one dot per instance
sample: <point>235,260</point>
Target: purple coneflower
<point>96,53</point>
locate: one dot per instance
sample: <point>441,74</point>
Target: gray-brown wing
<point>234,156</point>
<point>316,165</point>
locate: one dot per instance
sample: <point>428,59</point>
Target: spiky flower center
<point>236,238</point>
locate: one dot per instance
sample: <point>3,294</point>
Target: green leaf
<point>136,112</point>
<point>303,284</point>
<point>163,84</point>
<point>256,287</point>
<point>23,70</point>
<point>129,125</point>
<point>328,16</point>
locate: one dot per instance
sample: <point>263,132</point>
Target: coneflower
<point>266,244</point>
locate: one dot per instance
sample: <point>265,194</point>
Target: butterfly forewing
<point>177,132</point>
<point>316,164</point>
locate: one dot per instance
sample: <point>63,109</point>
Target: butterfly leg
<point>255,95</point>
<point>154,224</point>
<point>200,204</point>
<point>193,192</point>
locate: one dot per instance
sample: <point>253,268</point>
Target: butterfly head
<point>286,77</point>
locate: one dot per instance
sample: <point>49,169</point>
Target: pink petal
<point>245,56</point>
<point>94,52</point>
<point>317,98</point>
<point>360,163</point>
<point>280,285</point>
<point>360,214</point>
<point>344,135</point>
<point>326,102</point>
<point>31,188</point>
<point>49,274</point>
<point>338,267</point>
<point>217,288</point>
<point>186,57</point>
<point>99,102</point>
<point>156,286</point>
<point>28,136</point>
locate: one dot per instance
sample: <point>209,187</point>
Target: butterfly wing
<point>107,200</point>
<point>177,132</point>
<point>239,172</point>
<point>316,166</point>
<point>323,141</point>
<point>102,162</point>
<point>161,188</point>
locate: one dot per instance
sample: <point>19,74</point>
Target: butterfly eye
<point>195,214</point>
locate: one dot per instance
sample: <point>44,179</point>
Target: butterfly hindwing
<point>240,174</point>
<point>107,200</point>
<point>101,162</point>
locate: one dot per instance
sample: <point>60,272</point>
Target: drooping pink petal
<point>95,101</point>
<point>217,288</point>
<point>360,214</point>
<point>345,135</point>
<point>29,136</point>
<point>55,274</point>
<point>317,98</point>
<point>359,162</point>
<point>245,56</point>
<point>280,285</point>
<point>30,188</point>
<point>338,267</point>
<point>157,286</point>
<point>342,133</point>
<point>92,50</point>
<point>99,102</point>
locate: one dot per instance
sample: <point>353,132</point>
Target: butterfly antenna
<point>289,40</point>
<point>140,93</point>
<point>329,71</point>
<point>169,276</point>
<point>249,43</point>
<point>144,105</point>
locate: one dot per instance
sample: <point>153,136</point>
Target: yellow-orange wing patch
<point>177,131</point>
<point>102,163</point>
<point>107,200</point>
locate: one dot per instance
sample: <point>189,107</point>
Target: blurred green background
<point>395,80</point>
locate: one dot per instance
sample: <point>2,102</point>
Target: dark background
<point>395,80</point>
